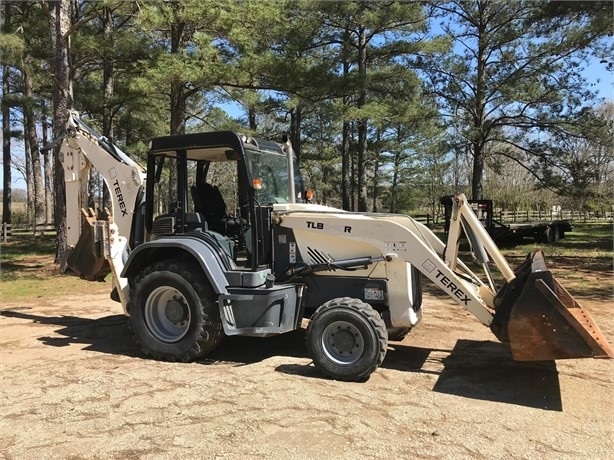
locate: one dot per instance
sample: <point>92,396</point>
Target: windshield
<point>269,173</point>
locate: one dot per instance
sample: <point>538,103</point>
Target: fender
<point>210,258</point>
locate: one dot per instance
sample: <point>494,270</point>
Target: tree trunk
<point>38,192</point>
<point>363,122</point>
<point>296,118</point>
<point>375,184</point>
<point>62,103</point>
<point>251,118</point>
<point>479,122</point>
<point>352,181</point>
<point>345,166</point>
<point>477,172</point>
<point>108,75</point>
<point>96,185</point>
<point>6,134</point>
<point>29,179</point>
<point>396,172</point>
<point>48,168</point>
<point>178,105</point>
<point>177,127</point>
<point>376,166</point>
<point>345,133</point>
<point>395,182</point>
<point>327,174</point>
<point>92,183</point>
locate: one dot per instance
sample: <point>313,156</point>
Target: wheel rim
<point>167,314</point>
<point>342,342</point>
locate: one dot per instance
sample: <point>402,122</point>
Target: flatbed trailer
<point>542,231</point>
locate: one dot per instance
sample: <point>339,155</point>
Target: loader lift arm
<point>530,311</point>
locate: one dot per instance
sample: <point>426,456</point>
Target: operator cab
<point>224,185</point>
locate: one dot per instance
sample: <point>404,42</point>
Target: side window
<point>161,193</point>
<point>223,175</point>
<point>191,183</point>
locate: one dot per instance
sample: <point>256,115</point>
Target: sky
<point>605,86</point>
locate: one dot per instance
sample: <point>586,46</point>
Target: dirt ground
<point>73,385</point>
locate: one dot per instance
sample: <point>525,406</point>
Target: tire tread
<point>372,316</point>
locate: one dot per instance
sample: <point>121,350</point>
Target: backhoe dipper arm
<point>83,148</point>
<point>98,239</point>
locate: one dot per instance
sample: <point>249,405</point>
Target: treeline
<point>389,104</point>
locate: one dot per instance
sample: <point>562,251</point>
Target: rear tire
<point>555,234</point>
<point>347,339</point>
<point>550,235</point>
<point>173,314</point>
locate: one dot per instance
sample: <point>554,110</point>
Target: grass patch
<point>41,280</point>
<point>25,245</point>
<point>587,240</point>
<point>27,271</point>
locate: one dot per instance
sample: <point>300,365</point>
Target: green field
<point>27,270</point>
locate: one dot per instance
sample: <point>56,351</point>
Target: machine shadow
<point>109,334</point>
<point>400,357</point>
<point>241,350</point>
<point>473,369</point>
<point>485,370</point>
<point>481,370</point>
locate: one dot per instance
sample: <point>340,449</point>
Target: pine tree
<point>515,74</point>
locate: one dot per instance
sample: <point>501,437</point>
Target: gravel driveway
<point>73,385</point>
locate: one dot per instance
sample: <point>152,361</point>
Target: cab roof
<point>210,146</point>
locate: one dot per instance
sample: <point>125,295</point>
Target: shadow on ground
<point>109,334</point>
<point>249,350</point>
<point>485,370</point>
<point>112,335</point>
<point>473,369</point>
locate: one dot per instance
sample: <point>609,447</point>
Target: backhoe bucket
<point>541,321</point>
<point>87,259</point>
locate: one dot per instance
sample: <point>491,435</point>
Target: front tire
<point>347,339</point>
<point>397,334</point>
<point>173,314</point>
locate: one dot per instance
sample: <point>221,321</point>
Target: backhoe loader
<point>230,246</point>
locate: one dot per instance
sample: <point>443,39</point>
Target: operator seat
<point>209,202</point>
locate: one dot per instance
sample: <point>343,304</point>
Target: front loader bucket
<point>541,321</point>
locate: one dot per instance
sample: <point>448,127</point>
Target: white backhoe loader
<point>232,248</point>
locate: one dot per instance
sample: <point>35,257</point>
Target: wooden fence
<point>36,230</point>
<point>527,216</point>
<point>6,232</point>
